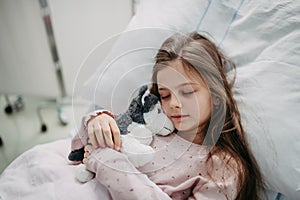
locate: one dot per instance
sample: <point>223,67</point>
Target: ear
<point>216,100</point>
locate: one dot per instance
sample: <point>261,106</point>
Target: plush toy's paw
<point>76,155</point>
<point>140,132</point>
<point>167,127</point>
<point>83,175</point>
<point>138,154</point>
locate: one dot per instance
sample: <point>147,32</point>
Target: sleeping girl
<point>206,157</point>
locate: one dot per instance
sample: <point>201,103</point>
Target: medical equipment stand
<point>51,40</point>
<point>16,106</point>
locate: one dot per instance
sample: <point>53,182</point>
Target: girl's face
<point>185,99</point>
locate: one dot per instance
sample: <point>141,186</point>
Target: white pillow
<point>262,37</point>
<point>125,69</point>
<point>129,63</point>
<point>268,96</point>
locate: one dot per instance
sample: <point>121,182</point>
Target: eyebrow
<point>180,85</point>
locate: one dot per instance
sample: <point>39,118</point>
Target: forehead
<point>174,74</point>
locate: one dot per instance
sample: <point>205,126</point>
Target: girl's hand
<point>87,151</point>
<point>104,132</point>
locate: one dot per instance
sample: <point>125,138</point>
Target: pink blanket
<point>43,172</point>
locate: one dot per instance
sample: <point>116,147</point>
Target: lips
<point>178,116</point>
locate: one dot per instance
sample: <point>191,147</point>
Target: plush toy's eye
<point>158,110</point>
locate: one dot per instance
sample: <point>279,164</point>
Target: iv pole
<point>58,70</point>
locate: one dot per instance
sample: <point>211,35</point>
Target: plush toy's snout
<point>157,121</point>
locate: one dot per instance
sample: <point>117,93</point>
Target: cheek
<point>164,106</point>
<point>202,105</point>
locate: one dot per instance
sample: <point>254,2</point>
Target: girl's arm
<point>91,128</point>
<point>121,178</point>
<point>222,184</point>
<point>221,190</point>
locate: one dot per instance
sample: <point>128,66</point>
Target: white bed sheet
<point>44,172</point>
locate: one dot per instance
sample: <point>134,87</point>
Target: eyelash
<point>188,92</point>
<point>164,97</point>
<point>184,93</point>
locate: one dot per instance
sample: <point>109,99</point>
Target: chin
<point>187,129</point>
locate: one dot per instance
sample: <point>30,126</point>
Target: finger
<point>84,161</point>
<point>107,135</point>
<point>88,148</point>
<point>86,154</point>
<point>92,135</point>
<point>99,135</point>
<point>89,141</point>
<point>116,135</point>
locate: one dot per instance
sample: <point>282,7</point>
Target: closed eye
<point>165,96</point>
<point>187,92</point>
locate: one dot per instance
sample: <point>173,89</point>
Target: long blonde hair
<point>224,131</point>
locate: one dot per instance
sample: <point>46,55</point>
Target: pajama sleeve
<point>121,178</point>
<point>203,188</point>
<point>211,190</point>
<point>221,185</point>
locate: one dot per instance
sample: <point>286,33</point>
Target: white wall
<point>25,60</point>
<point>79,25</point>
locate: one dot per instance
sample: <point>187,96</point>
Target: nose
<point>175,102</point>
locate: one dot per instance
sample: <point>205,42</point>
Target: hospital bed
<point>262,37</point>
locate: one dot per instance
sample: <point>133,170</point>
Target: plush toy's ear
<point>142,90</point>
<point>149,102</point>
<point>135,109</point>
<point>148,99</point>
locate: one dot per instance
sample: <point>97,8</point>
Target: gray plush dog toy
<point>137,125</point>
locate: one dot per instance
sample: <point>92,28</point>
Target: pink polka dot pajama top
<point>178,171</point>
